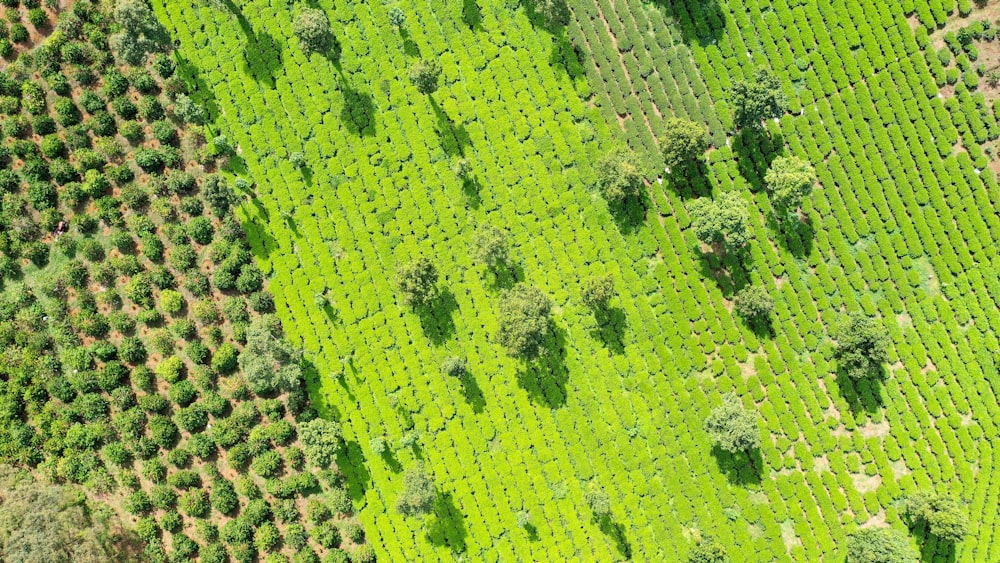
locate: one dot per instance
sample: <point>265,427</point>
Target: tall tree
<point>523,321</point>
<point>419,492</point>
<point>880,545</point>
<point>754,304</point>
<point>683,142</point>
<point>732,427</point>
<point>789,180</point>
<point>598,291</point>
<point>708,550</point>
<point>862,346</point>
<point>321,439</point>
<point>757,99</point>
<point>269,363</point>
<point>424,74</point>
<point>140,34</point>
<point>417,282</point>
<point>618,176</point>
<point>942,514</point>
<point>723,221</point>
<point>491,247</point>
<point>312,28</point>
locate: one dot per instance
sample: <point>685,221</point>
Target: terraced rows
<point>902,229</point>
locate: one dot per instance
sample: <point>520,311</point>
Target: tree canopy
<point>708,551</point>
<point>721,221</point>
<point>862,346</point>
<point>757,99</point>
<point>753,303</point>
<point>597,500</point>
<point>425,74</point>
<point>683,142</point>
<point>321,439</point>
<point>942,514</point>
<point>269,363</point>
<point>789,180</point>
<point>732,427</point>
<point>140,34</point>
<point>419,492</point>
<point>880,545</point>
<point>491,247</point>
<point>523,321</point>
<point>618,176</point>
<point>598,291</point>
<point>312,28</point>
<point>417,281</point>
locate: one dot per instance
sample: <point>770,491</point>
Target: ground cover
<point>899,228</point>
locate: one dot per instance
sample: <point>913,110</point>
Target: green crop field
<point>899,227</point>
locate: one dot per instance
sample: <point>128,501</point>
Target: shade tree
<point>618,175</point>
<point>419,491</point>
<point>491,247</point>
<point>788,181</point>
<point>721,222</point>
<point>268,362</point>
<point>523,319</point>
<point>140,34</point>
<point>321,439</point>
<point>683,142</point>
<point>312,28</point>
<point>598,291</point>
<point>941,513</point>
<point>880,545</point>
<point>708,550</point>
<point>757,98</point>
<point>417,282</point>
<point>862,346</point>
<point>732,427</point>
<point>754,304</point>
<point>424,74</point>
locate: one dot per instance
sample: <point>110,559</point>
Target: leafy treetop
<point>425,74</point>
<point>862,346</point>
<point>942,514</point>
<point>683,142</point>
<point>321,439</point>
<point>491,247</point>
<point>880,545</point>
<point>789,180</point>
<point>312,28</point>
<point>523,321</point>
<point>753,303</point>
<point>757,99</point>
<point>724,220</point>
<point>417,282</point>
<point>708,551</point>
<point>419,492</point>
<point>269,363</point>
<point>618,176</point>
<point>598,291</point>
<point>732,427</point>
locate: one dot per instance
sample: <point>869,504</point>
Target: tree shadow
<point>727,267</point>
<point>196,85</point>
<point>454,137</point>
<point>610,330</point>
<point>932,548</point>
<point>545,377</point>
<point>351,462</point>
<point>291,223</point>
<point>862,395</point>
<point>472,15</point>
<point>690,181</point>
<point>566,56</point>
<point>532,532</point>
<point>556,24</point>
<point>447,528</point>
<point>742,468</point>
<point>261,52</point>
<point>629,214</point>
<point>410,48</point>
<point>331,313</point>
<point>436,317</point>
<point>794,232</point>
<point>471,188</point>
<point>389,457</point>
<point>358,113</point>
<point>699,22</point>
<point>472,392</point>
<point>615,531</point>
<point>762,327</point>
<point>755,148</point>
<point>504,276</point>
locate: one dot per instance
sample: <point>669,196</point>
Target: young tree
<point>554,12</point>
<point>942,514</point>
<point>417,282</point>
<point>757,99</point>
<point>618,175</point>
<point>753,303</point>
<point>491,247</point>
<point>732,427</point>
<point>598,291</point>
<point>722,221</point>
<point>789,181</point>
<point>141,33</point>
<point>862,346</point>
<point>708,550</point>
<point>397,18</point>
<point>321,439</point>
<point>424,74</point>
<point>419,492</point>
<point>454,366</point>
<point>313,30</point>
<point>880,545</point>
<point>462,169</point>
<point>523,321</point>
<point>269,363</point>
<point>597,500</point>
<point>683,142</point>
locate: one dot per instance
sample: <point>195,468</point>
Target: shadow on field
<point>261,52</point>
<point>794,234</point>
<point>932,548</point>
<point>472,392</point>
<point>565,56</point>
<point>447,528</point>
<point>504,276</point>
<point>389,457</point>
<point>862,395</point>
<point>726,267</point>
<point>358,113</point>
<point>690,181</point>
<point>198,89</point>
<point>615,531</point>
<point>546,376</point>
<point>610,330</point>
<point>755,148</point>
<point>743,468</point>
<point>471,188</point>
<point>351,462</point>
<point>454,137</point>
<point>701,22</point>
<point>410,48</point>
<point>436,317</point>
<point>472,15</point>
<point>630,214</point>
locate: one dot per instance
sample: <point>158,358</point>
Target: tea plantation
<point>358,160</point>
